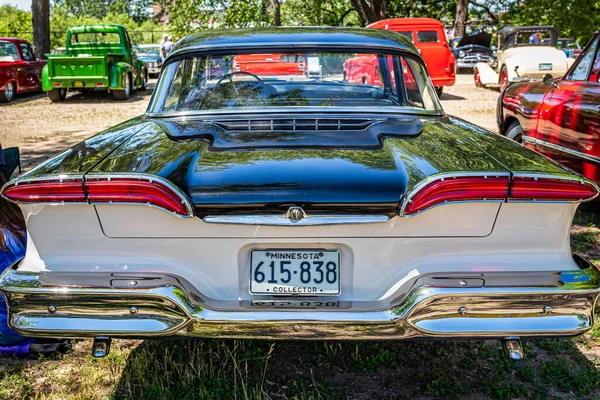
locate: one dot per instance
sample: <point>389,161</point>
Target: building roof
<point>294,38</point>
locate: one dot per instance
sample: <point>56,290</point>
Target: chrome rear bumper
<point>39,309</point>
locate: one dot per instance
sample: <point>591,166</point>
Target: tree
<point>40,12</point>
<point>371,11</point>
<point>276,12</point>
<point>136,9</point>
<point>462,9</point>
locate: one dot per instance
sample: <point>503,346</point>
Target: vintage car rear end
<point>247,206</point>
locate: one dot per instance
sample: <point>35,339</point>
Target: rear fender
<point>117,73</point>
<point>486,73</point>
<point>46,85</point>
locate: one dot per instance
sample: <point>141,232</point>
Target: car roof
<point>14,40</point>
<point>97,28</point>
<point>407,22</point>
<point>508,30</point>
<point>267,39</point>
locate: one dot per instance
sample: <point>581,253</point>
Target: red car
<point>559,118</point>
<point>270,64</point>
<point>20,70</point>
<point>428,36</point>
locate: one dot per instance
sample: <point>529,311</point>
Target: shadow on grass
<point>447,96</point>
<point>103,96</point>
<point>215,369</point>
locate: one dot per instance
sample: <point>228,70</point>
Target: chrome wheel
<point>127,85</point>
<point>9,92</point>
<point>515,132</point>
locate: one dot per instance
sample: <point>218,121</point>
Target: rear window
<point>408,35</point>
<point>311,79</point>
<point>427,36</point>
<point>96,38</point>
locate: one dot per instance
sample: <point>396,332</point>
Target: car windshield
<point>8,52</point>
<point>155,50</point>
<point>539,38</point>
<point>567,44</point>
<point>309,79</point>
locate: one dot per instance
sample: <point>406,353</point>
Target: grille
<point>304,124</point>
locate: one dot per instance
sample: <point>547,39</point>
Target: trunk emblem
<point>295,214</point>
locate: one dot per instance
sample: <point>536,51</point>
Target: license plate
<point>295,272</point>
<point>545,67</point>
<point>78,84</point>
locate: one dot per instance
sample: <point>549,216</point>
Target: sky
<point>22,4</point>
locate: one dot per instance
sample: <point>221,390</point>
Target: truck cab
<point>428,36</point>
<point>96,56</point>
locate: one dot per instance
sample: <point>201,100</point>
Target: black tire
<point>56,95</point>
<point>8,93</point>
<point>439,90</point>
<point>515,132</point>
<point>125,93</point>
<point>144,86</point>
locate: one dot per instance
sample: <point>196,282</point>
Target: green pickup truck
<point>96,57</point>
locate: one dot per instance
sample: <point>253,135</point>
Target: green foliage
<point>136,9</point>
<point>574,18</point>
<point>15,22</point>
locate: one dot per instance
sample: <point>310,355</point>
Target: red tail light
<point>471,188</point>
<point>136,191</point>
<point>96,190</point>
<point>47,191</point>
<point>552,190</point>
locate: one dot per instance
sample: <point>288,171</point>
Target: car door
<point>32,68</point>
<point>569,123</point>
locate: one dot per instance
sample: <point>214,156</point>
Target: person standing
<point>168,46</point>
<point>163,55</point>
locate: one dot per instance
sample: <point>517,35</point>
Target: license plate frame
<point>321,289</point>
<point>545,67</point>
<point>78,84</point>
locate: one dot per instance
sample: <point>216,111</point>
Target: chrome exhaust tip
<point>101,346</point>
<point>513,348</point>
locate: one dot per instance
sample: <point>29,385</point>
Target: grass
<point>228,369</point>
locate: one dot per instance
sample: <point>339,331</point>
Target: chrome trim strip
<point>427,311</point>
<point>557,147</point>
<point>282,220</point>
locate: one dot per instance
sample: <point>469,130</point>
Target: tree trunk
<point>276,12</point>
<point>462,8</point>
<point>40,12</point>
<point>371,11</point>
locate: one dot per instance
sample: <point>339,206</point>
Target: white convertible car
<point>249,206</point>
<point>524,53</point>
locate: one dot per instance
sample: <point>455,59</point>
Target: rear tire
<point>439,90</point>
<point>125,93</point>
<point>515,132</point>
<point>56,95</point>
<point>8,93</point>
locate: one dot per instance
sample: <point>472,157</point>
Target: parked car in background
<point>149,54</point>
<point>524,53</point>
<point>20,69</point>
<point>270,64</point>
<point>253,206</point>
<point>97,56</point>
<point>429,37</point>
<point>559,118</point>
<point>472,49</point>
<point>569,46</point>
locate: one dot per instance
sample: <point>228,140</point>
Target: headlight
<point>461,54</point>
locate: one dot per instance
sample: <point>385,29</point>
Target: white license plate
<point>545,67</point>
<point>283,272</point>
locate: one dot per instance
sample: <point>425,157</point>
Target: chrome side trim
<point>283,220</point>
<point>557,147</point>
<point>562,309</point>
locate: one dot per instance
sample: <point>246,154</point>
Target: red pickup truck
<point>20,70</point>
<point>428,36</point>
<point>270,64</point>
